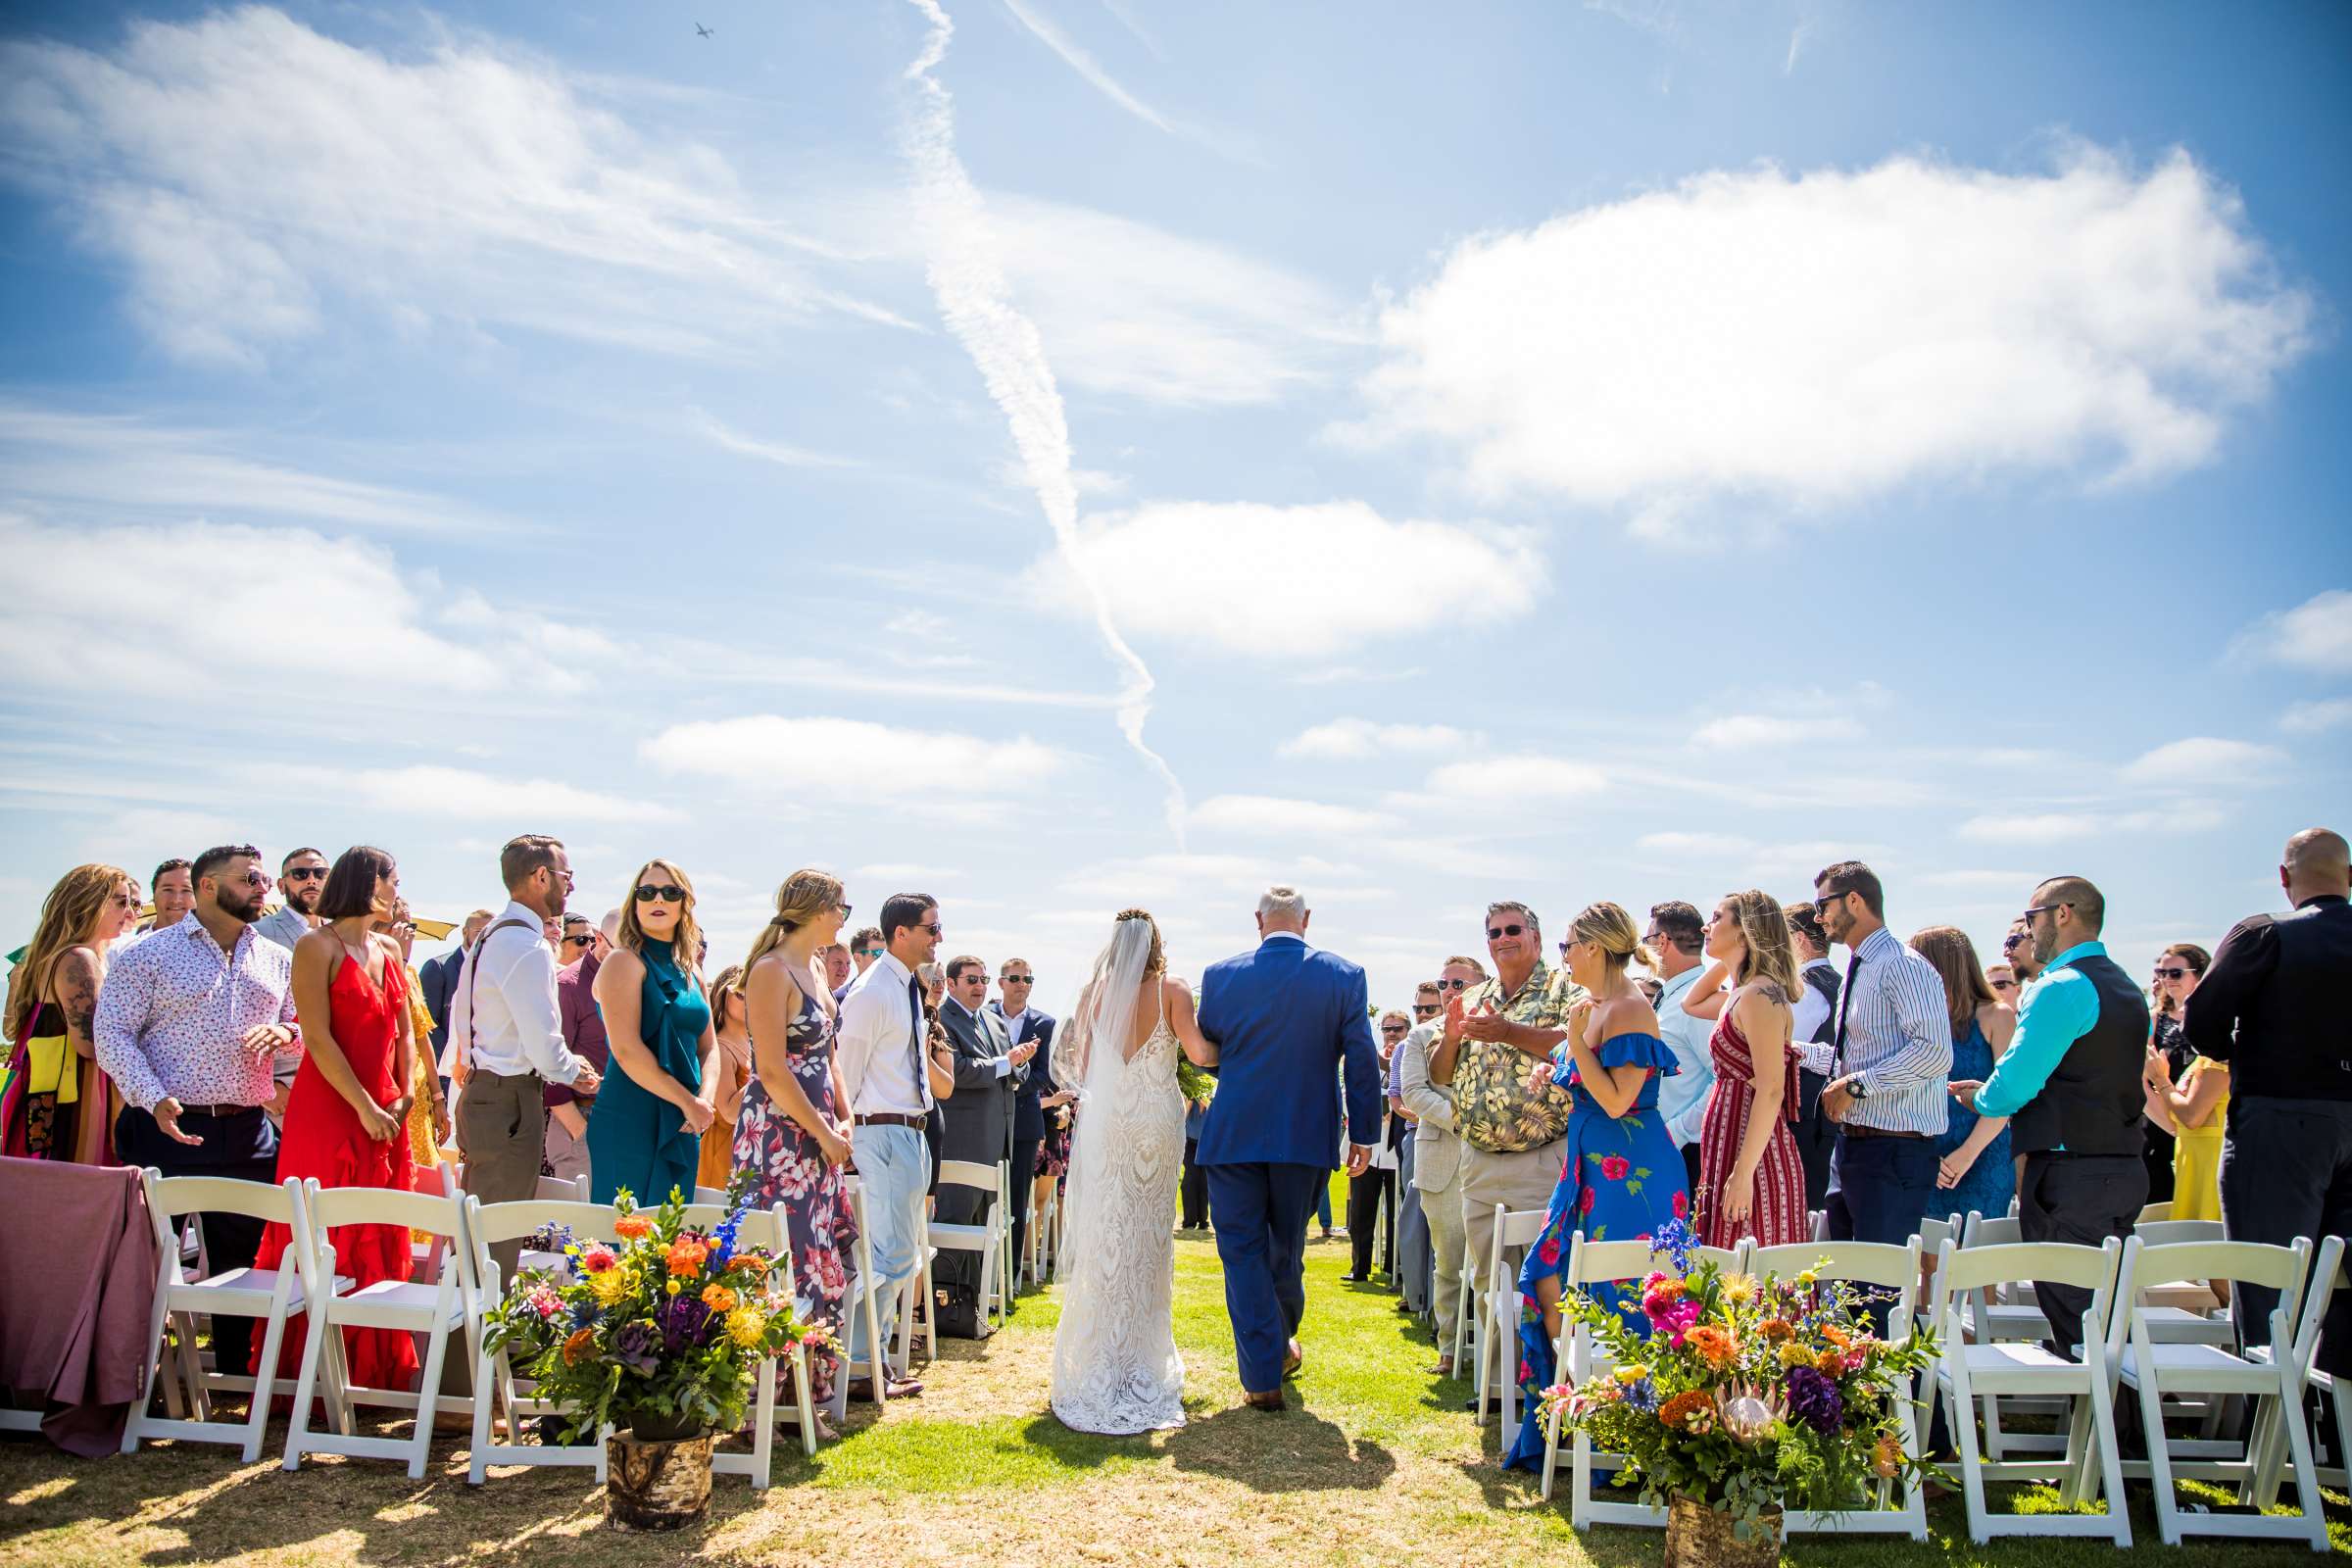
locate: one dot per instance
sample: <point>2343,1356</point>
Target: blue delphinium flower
<point>1674,1240</point>
<point>1641,1395</point>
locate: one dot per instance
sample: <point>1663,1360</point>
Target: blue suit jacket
<point>1283,1019</point>
<point>1028,1116</point>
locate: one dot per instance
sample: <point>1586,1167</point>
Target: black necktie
<point>914,1005</point>
<point>1845,1005</point>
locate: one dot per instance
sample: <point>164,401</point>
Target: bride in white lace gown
<point>1115,1367</point>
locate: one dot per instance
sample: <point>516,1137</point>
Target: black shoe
<point>1357,1279</point>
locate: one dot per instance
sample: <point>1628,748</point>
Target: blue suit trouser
<point>1261,1214</point>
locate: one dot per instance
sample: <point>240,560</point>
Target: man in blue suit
<point>1284,1019</point>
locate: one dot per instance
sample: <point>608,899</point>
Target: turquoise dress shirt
<point>2056,1010</point>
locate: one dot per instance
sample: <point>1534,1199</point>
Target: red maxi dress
<point>1777,1217</point>
<point>324,1139</point>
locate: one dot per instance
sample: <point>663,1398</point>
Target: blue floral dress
<point>1622,1180</point>
<point>1991,1181</point>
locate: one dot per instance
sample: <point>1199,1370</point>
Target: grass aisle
<point>1374,1463</point>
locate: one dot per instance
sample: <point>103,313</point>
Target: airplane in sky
<point>702,31</point>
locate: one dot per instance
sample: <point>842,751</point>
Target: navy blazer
<point>1283,1019</point>
<point>438,979</point>
<point>1028,1116</point>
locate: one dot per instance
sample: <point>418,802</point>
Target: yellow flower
<point>676,1287</point>
<point>609,1287</point>
<point>1795,1354</point>
<point>1740,1289</point>
<point>746,1324</point>
<point>1631,1374</point>
<point>1808,1277</point>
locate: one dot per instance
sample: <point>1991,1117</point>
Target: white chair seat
<point>1987,1361</point>
<point>2013,1321</point>
<point>393,1304</point>
<point>233,1289</point>
<point>553,1262</point>
<point>2201,1369</point>
<point>2178,1325</point>
<point>978,1235</point>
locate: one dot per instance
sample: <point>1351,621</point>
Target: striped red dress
<point>1778,1218</point>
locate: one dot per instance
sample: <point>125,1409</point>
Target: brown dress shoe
<point>1265,1401</point>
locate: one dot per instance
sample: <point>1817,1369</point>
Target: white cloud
<point>249,173</point>
<point>2203,760</point>
<point>1753,731</point>
<point>1695,844</point>
<point>1978,880</point>
<point>1357,739</point>
<point>1047,33</point>
<point>2315,635</point>
<point>199,599</point>
<point>1187,878</point>
<point>852,759</point>
<point>2317,718</point>
<point>1818,339</point>
<point>1277,815</point>
<point>2061,827</point>
<point>1516,778</point>
<point>1291,582</point>
<point>457,793</point>
<point>783,453</point>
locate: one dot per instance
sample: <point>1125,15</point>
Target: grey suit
<point>979,1117</point>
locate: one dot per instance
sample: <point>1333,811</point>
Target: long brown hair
<point>1157,962</point>
<point>68,917</point>
<point>1764,932</point>
<point>2198,961</point>
<point>685,947</point>
<point>803,896</point>
<point>1955,958</point>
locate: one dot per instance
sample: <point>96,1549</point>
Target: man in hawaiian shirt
<point>1513,1138</point>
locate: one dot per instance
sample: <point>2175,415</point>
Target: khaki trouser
<point>1515,1181</point>
<point>1442,1206</point>
<point>502,1128</point>
<point>566,1155</point>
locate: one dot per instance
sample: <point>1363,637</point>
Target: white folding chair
<point>861,1291</point>
<point>2184,1311</point>
<point>2008,1312</point>
<point>1968,1370</point>
<point>2335,1393</point>
<point>710,1197</point>
<point>435,1310</point>
<point>1886,1268</point>
<point>1515,1231</point>
<point>920,1291</point>
<point>1817,1224</point>
<point>991,1239</point>
<point>2156,1371</point>
<point>275,1296</point>
<point>764,1229</point>
<point>1464,1321</point>
<point>495,1380</point>
<point>2155,1212</point>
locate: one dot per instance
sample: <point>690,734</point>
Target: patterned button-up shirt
<point>174,1011</point>
<point>1495,1110</point>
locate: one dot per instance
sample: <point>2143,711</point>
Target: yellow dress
<point>2197,1152</point>
<point>424,1147</point>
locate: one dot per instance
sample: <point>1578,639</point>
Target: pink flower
<point>1615,1166</point>
<point>1584,1205</point>
<point>1681,1205</point>
<point>1549,1251</point>
<point>597,1260</point>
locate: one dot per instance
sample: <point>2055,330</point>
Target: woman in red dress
<point>345,1117</point>
<point>1751,1180</point>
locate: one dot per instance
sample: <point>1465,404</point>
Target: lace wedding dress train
<point>1115,1367</point>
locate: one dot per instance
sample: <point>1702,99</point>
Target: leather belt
<point>893,1118</point>
<point>1853,1130</point>
<point>218,1109</point>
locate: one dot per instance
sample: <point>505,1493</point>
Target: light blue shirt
<point>2057,1009</point>
<point>1683,1098</point>
<point>1898,1038</point>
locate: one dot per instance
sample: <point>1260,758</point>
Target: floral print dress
<point>790,1169</point>
<point>1622,1180</point>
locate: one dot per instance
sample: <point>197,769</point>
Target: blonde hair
<point>68,917</point>
<point>1948,950</point>
<point>1156,962</point>
<point>728,982</point>
<point>685,945</point>
<point>803,896</point>
<point>1764,932</point>
<point>1609,928</point>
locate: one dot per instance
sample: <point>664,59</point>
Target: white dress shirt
<point>505,1004</point>
<point>1683,1098</point>
<point>1812,1009</point>
<point>880,1044</point>
<point>1003,1065</point>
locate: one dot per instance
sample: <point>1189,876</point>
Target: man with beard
<point>301,878</point>
<point>188,1023</point>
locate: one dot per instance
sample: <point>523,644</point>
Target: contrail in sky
<point>977,301</point>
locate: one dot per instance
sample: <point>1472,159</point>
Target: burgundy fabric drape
<point>77,1266</point>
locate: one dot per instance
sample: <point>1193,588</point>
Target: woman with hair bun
<point>1622,1179</point>
<point>793,1134</point>
<point>1751,1180</point>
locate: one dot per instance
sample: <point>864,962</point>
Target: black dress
<point>2173,1047</point>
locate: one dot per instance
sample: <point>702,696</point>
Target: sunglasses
<point>586,941</point>
<point>305,873</point>
<point>2163,973</point>
<point>1453,985</point>
<point>1426,1009</point>
<point>1018,980</point>
<point>2014,941</point>
<point>1564,946</point>
<point>2045,908</point>
<point>648,892</point>
<point>1391,1028</point>
<point>251,879</point>
<point>844,907</point>
<point>2004,985</point>
<point>868,953</point>
<point>1496,933</point>
<point>933,928</point>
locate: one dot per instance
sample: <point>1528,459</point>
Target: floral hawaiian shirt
<point>1497,1110</point>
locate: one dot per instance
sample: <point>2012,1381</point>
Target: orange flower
<point>582,1340</point>
<point>747,1262</point>
<point>1714,1346</point>
<point>1777,1328</point>
<point>719,1298</point>
<point>686,1256</point>
<point>632,1226</point>
<point>1680,1410</point>
<point>1837,1335</point>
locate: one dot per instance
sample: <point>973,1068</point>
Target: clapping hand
<point>1487,1024</point>
<point>1021,1052</point>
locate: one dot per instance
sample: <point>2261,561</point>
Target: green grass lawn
<point>1374,1463</point>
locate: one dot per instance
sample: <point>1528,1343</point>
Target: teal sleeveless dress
<point>636,1139</point>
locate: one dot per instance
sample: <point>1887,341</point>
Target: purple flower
<point>685,1322</point>
<point>636,1346</point>
<point>1813,1400</point>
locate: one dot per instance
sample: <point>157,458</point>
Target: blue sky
<point>1625,451</point>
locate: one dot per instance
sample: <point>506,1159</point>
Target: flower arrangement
<point>659,1332</point>
<point>1746,1395</point>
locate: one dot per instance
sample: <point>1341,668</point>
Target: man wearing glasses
<point>301,878</point>
<point>188,1023</point>
<point>1887,1062</point>
<point>2070,1083</point>
<point>1437,1160</point>
<point>1514,1135</point>
<point>1037,1095</point>
<point>579,955</point>
<point>864,948</point>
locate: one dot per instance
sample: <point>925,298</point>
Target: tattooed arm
<point>75,982</point>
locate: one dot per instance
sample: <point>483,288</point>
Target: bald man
<point>2273,1007</point>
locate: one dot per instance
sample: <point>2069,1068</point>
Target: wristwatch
<point>1858,1090</point>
